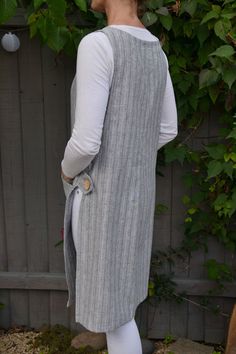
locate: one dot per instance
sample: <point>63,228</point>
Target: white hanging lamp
<point>10,42</point>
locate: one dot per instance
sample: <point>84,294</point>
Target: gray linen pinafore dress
<point>108,272</point>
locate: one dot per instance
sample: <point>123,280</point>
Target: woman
<point>122,111</point>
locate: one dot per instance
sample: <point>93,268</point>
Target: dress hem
<point>104,329</point>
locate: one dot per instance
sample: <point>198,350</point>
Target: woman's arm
<point>169,119</point>
<point>92,90</point>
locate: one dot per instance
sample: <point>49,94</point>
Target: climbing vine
<point>199,38</point>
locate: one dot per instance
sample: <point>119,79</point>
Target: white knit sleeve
<point>92,80</point>
<point>169,119</point>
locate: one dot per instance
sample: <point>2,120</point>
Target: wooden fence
<point>34,129</point>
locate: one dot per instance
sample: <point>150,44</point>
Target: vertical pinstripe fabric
<point>108,277</point>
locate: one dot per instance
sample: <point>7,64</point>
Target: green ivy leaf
<point>70,47</point>
<point>188,179</point>
<point>188,29</point>
<point>209,16</point>
<point>229,76</point>
<point>222,27</point>
<point>57,36</point>
<point>207,77</point>
<point>225,51</point>
<point>230,156</point>
<point>212,269</point>
<point>57,10</point>
<point>82,4</point>
<point>188,6</point>
<point>216,270</point>
<point>7,9</point>
<point>38,3</point>
<point>149,18</point>
<point>220,201</point>
<point>216,8</point>
<point>213,92</point>
<point>193,100</point>
<point>42,25</point>
<point>216,151</point>
<point>228,15</point>
<point>178,153</point>
<point>186,199</point>
<point>228,168</point>
<point>154,4</point>
<point>192,211</point>
<point>227,2</point>
<point>202,34</point>
<point>184,85</point>
<point>232,134</point>
<point>214,168</point>
<point>33,29</point>
<point>31,19</point>
<point>166,21</point>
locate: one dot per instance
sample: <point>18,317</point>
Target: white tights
<point>124,339</point>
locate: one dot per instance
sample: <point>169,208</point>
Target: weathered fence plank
<point>196,313</point>
<point>30,75</point>
<point>13,185</point>
<point>55,138</point>
<point>159,316</point>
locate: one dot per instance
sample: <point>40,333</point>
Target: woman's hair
<point>141,7</point>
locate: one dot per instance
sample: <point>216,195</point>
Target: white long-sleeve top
<point>89,97</point>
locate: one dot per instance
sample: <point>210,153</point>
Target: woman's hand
<point>67,179</point>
